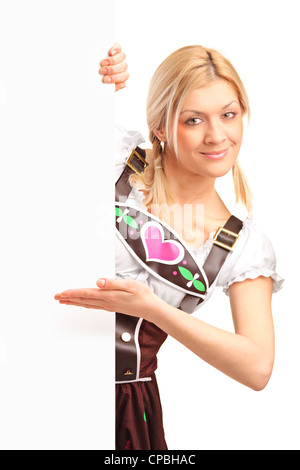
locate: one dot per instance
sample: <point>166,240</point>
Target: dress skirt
<point>139,423</point>
<point>139,420</point>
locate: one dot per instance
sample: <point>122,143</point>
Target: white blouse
<point>253,255</point>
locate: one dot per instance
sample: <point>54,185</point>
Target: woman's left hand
<point>114,295</point>
<point>114,68</point>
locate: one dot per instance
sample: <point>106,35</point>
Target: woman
<point>195,110</point>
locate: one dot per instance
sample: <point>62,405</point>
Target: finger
<point>121,77</point>
<point>106,300</point>
<point>84,301</point>
<point>116,48</point>
<point>91,293</point>
<point>113,60</point>
<point>114,69</point>
<point>119,86</point>
<point>81,304</point>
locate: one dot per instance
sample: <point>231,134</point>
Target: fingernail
<point>101,282</point>
<point>107,79</point>
<point>104,62</point>
<point>103,71</point>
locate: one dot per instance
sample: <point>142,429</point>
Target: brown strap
<point>123,188</point>
<point>218,255</point>
<point>215,260</point>
<point>126,351</point>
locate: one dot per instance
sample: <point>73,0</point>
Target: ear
<point>160,134</point>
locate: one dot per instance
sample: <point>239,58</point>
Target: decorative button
<point>126,337</point>
<point>128,372</point>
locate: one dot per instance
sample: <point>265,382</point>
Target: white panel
<point>56,126</point>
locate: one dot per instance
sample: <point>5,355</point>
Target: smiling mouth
<point>215,155</point>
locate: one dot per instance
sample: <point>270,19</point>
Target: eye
<point>229,115</point>
<point>193,121</point>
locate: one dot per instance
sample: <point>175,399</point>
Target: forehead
<point>211,97</point>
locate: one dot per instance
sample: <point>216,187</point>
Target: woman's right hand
<point>114,67</point>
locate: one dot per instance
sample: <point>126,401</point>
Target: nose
<point>214,133</point>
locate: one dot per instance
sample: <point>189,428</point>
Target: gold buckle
<point>128,163</point>
<point>228,232</point>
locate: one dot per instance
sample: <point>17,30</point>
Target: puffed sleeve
<point>125,142</point>
<point>253,257</point>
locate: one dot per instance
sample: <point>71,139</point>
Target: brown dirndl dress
<point>139,421</point>
<point>139,424</point>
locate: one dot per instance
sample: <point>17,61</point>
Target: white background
<point>56,147</point>
<point>204,409</point>
<point>56,132</point>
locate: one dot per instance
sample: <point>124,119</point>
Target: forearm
<point>246,356</point>
<point>237,356</point>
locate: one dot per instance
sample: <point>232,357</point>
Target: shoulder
<point>253,256</point>
<point>253,239</point>
<point>125,142</point>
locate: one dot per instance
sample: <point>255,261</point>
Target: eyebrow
<point>200,112</point>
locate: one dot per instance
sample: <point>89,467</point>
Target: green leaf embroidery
<point>199,286</point>
<point>145,419</point>
<point>119,212</point>
<point>186,273</point>
<point>130,221</point>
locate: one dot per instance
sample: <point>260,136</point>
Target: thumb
<point>101,282</point>
<point>114,284</point>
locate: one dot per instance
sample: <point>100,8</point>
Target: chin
<point>217,171</point>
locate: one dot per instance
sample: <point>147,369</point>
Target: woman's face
<point>210,130</point>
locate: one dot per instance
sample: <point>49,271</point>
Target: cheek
<point>235,136</point>
<point>181,137</point>
<point>237,133</point>
<point>186,140</point>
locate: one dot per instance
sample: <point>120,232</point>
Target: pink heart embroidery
<point>167,252</point>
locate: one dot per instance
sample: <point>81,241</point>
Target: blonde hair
<point>180,73</point>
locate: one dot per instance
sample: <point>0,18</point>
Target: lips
<point>216,155</point>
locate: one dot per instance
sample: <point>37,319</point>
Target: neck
<point>188,188</point>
